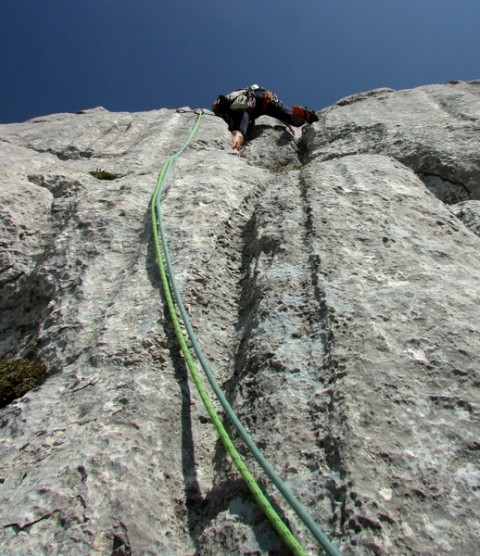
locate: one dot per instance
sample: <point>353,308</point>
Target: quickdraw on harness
<point>267,97</point>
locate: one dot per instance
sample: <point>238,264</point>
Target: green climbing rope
<point>259,496</point>
<point>170,285</point>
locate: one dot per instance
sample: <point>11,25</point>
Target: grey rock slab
<point>359,350</point>
<point>399,278</point>
<point>98,455</point>
<point>434,130</point>
<point>332,279</point>
<point>89,303</point>
<point>469,213</point>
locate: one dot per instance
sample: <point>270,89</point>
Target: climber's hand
<point>237,140</point>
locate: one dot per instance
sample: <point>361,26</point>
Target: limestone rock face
<point>333,281</point>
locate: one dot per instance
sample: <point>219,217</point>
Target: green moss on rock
<point>19,376</point>
<point>103,174</point>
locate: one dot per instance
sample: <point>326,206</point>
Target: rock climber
<point>242,107</point>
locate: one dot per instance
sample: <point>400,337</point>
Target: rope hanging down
<point>170,285</point>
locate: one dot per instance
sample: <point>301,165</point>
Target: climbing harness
<point>170,286</point>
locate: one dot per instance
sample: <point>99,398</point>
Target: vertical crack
<point>326,410</point>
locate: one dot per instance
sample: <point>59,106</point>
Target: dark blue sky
<point>64,56</point>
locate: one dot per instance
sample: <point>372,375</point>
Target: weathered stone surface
<point>469,213</point>
<point>333,280</point>
<point>433,130</point>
